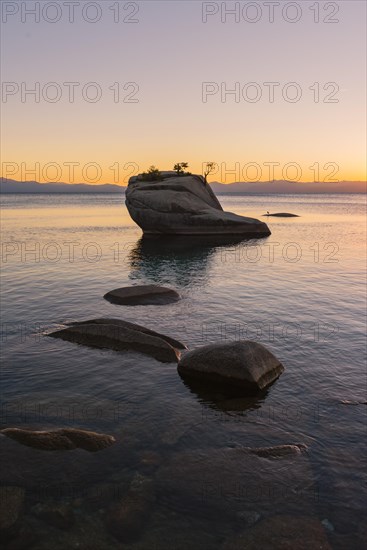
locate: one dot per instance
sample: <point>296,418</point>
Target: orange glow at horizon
<point>118,172</point>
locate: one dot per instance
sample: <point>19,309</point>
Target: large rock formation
<point>244,366</point>
<point>184,205</point>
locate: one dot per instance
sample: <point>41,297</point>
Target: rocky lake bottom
<point>191,467</point>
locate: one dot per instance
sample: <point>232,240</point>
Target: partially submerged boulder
<point>278,451</point>
<point>119,335</point>
<point>185,205</point>
<point>349,402</point>
<point>131,326</point>
<point>245,366</point>
<point>142,295</point>
<point>282,215</point>
<point>57,514</point>
<point>64,439</point>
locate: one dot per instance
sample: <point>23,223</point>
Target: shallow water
<point>301,292</point>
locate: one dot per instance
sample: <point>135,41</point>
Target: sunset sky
<point>170,53</point>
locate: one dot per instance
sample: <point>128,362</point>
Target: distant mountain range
<point>279,186</point>
<point>13,186</point>
<point>291,187</point>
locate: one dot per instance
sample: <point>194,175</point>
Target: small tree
<point>179,167</point>
<point>209,169</point>
<point>153,174</point>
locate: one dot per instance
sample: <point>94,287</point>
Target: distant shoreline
<point>232,193</point>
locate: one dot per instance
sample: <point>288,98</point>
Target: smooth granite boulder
<point>119,335</point>
<point>245,366</point>
<point>131,326</point>
<point>185,205</point>
<point>142,295</point>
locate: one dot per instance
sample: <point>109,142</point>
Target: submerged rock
<point>282,533</point>
<point>185,205</point>
<point>25,537</point>
<point>227,481</point>
<point>60,440</point>
<point>121,336</point>
<point>101,495</point>
<point>11,507</point>
<point>177,427</point>
<point>341,468</point>
<point>126,519</point>
<point>278,451</point>
<point>57,514</point>
<point>142,295</point>
<point>328,525</point>
<point>245,366</point>
<point>248,518</point>
<point>149,461</point>
<point>348,402</point>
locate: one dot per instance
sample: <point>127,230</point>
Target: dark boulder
<point>142,295</point>
<point>132,326</point>
<point>120,336</point>
<point>282,215</point>
<point>245,366</point>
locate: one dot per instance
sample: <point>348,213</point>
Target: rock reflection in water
<point>180,261</point>
<point>228,401</point>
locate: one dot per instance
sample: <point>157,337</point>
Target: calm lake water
<point>300,292</point>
